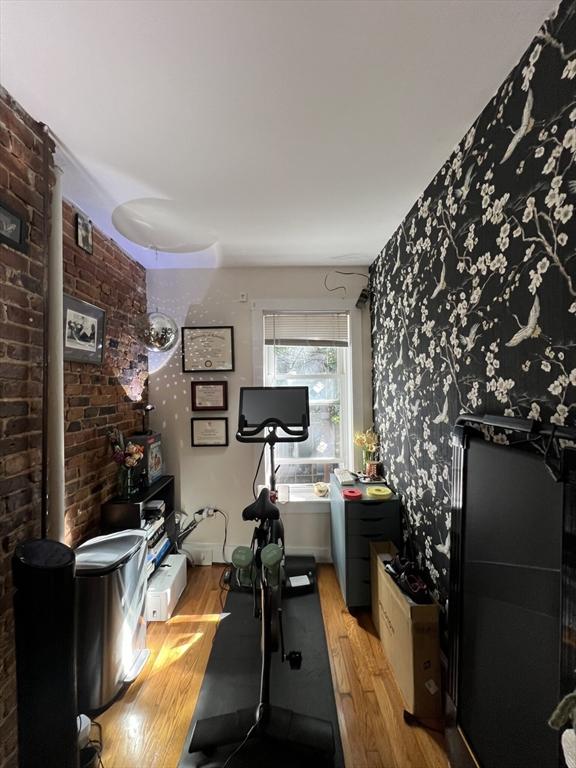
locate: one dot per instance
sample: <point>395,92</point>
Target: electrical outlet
<point>243,297</point>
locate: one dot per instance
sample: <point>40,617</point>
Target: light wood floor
<point>147,727</point>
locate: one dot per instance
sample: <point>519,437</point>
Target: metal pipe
<point>55,389</point>
<point>46,157</point>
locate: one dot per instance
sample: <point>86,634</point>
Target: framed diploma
<point>209,432</point>
<point>209,395</point>
<point>208,349</point>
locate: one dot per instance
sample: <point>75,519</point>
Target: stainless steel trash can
<point>111,628</point>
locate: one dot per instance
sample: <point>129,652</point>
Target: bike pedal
<point>294,659</point>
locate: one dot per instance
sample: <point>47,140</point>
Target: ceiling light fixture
<point>170,224</point>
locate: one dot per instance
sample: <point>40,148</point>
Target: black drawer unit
<point>353,525</point>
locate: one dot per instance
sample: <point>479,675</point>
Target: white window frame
<point>353,400</point>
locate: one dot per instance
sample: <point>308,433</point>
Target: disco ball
<point>158,332</point>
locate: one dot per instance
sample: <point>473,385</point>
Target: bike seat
<point>262,508</point>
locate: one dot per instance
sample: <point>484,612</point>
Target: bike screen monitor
<point>286,405</point>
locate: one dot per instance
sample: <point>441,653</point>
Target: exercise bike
<point>261,567</point>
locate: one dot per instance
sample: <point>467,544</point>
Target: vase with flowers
<point>368,442</point>
<point>126,455</point>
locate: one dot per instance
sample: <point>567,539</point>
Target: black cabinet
<point>353,525</point>
<point>119,514</point>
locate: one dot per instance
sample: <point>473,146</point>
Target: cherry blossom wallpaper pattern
<point>474,297</point>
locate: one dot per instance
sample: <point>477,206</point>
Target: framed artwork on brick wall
<point>84,232</point>
<point>12,229</point>
<point>83,331</point>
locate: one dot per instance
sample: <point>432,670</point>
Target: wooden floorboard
<point>147,726</point>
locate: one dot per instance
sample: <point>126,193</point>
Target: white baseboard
<point>206,553</point>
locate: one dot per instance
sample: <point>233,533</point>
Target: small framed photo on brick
<point>84,232</point>
<point>209,395</point>
<point>12,229</point>
<point>83,331</point>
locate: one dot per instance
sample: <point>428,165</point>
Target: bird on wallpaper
<point>441,285</point>
<point>444,549</point>
<point>400,358</point>
<point>442,417</point>
<point>470,340</point>
<point>462,192</point>
<point>416,519</point>
<point>525,126</point>
<point>531,329</point>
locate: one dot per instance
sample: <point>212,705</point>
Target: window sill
<point>300,495</point>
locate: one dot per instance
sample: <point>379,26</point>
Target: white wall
<point>222,477</point>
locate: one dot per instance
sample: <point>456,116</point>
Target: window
<point>311,349</point>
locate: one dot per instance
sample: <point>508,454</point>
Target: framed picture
<point>84,232</point>
<point>209,395</point>
<point>12,229</point>
<point>83,331</point>
<point>209,348</point>
<point>209,432</point>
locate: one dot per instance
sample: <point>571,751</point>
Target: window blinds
<point>316,329</point>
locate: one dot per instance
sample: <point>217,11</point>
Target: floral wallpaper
<point>474,297</point>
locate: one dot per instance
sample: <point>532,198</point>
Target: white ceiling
<point>298,132</point>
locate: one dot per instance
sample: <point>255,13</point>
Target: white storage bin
<point>165,588</point>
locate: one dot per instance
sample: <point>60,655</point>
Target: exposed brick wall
<point>22,188</point>
<point>98,397</point>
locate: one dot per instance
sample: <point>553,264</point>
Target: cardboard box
<point>409,636</point>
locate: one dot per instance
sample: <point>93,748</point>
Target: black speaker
<point>43,573</point>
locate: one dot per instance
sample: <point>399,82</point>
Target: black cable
<point>360,274</point>
<point>223,588</point>
<point>185,532</point>
<point>338,287</point>
<point>257,470</point>
<point>554,469</point>
<point>414,721</point>
<point>225,516</point>
<point>239,747</point>
<point>97,742</point>
<point>343,287</point>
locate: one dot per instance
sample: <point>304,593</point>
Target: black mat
<point>232,678</point>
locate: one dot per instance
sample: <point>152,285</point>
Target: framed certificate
<point>209,432</point>
<point>209,348</point>
<point>209,395</point>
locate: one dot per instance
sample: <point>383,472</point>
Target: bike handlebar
<point>247,434</point>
